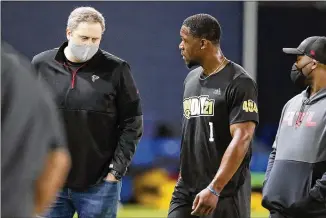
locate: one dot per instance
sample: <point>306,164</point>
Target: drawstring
<point>301,113</point>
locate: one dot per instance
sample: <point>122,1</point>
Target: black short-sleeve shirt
<point>210,105</point>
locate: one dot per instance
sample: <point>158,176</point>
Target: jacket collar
<point>60,56</point>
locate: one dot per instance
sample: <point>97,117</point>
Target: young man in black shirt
<point>98,98</point>
<point>220,115</point>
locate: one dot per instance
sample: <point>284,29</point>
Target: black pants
<point>276,214</point>
<point>237,206</point>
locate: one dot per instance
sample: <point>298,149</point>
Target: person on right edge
<point>295,180</point>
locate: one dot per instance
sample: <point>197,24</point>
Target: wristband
<point>213,191</point>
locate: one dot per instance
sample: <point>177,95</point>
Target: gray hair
<point>85,14</point>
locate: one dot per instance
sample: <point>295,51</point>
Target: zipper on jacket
<point>301,113</point>
<point>73,74</point>
<point>73,80</point>
<point>66,96</point>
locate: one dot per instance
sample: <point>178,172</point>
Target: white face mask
<point>82,52</point>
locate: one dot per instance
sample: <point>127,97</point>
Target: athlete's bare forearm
<point>242,134</point>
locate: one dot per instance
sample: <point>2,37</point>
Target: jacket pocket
<point>307,206</point>
<point>288,183</point>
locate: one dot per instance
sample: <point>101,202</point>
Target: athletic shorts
<point>237,206</point>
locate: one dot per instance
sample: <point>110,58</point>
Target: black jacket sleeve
<point>318,192</point>
<point>130,120</point>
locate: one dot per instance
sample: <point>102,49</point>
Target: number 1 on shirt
<point>211,136</point>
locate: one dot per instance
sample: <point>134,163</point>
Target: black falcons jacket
<point>102,114</point>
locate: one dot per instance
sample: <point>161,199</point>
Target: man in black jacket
<point>100,103</point>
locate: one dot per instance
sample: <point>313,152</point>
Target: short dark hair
<point>204,26</point>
